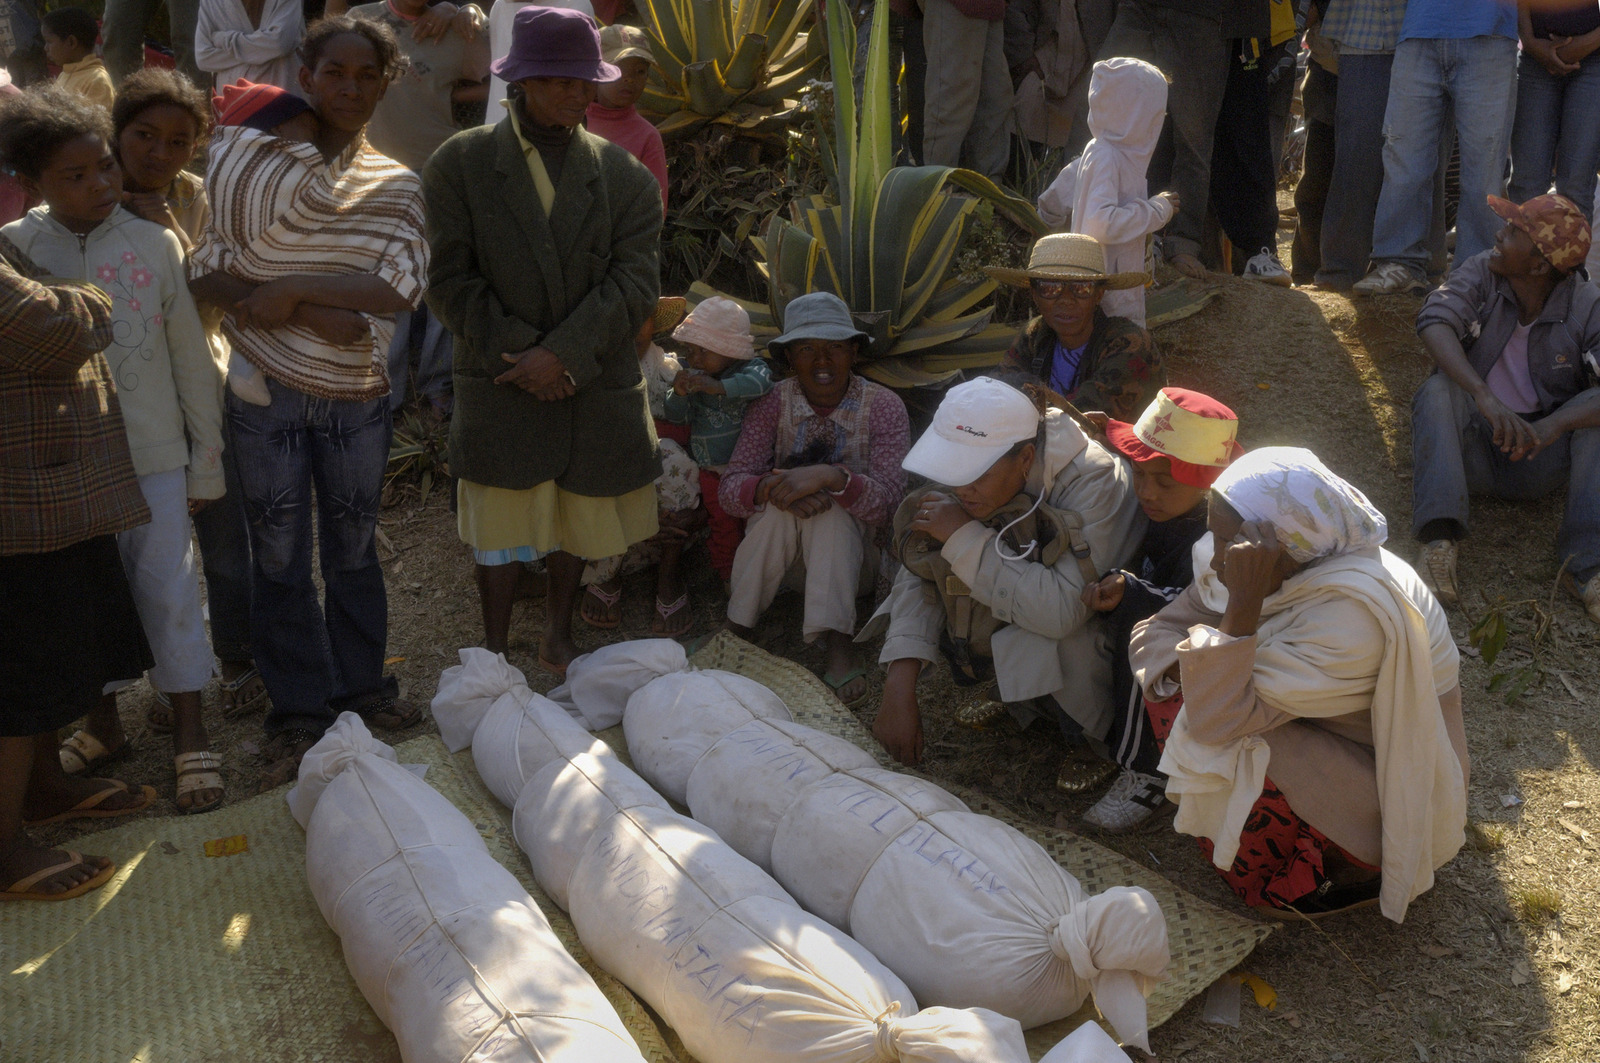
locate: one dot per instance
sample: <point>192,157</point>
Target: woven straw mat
<point>184,958</point>
<point>1206,941</point>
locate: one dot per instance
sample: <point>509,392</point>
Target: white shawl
<point>1421,789</point>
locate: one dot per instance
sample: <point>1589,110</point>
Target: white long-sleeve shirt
<point>229,48</point>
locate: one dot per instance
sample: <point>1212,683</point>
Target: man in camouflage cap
<point>1513,407</point>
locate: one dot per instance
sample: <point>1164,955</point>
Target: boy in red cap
<point>1178,448</point>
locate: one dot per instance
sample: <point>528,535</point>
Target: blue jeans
<point>1557,128</point>
<point>317,659</point>
<point>1454,456</point>
<point>1476,79</point>
<point>434,358</point>
<point>224,537</point>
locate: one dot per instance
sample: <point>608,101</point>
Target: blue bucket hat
<point>817,316</point>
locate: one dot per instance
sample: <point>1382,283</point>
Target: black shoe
<point>1327,899</point>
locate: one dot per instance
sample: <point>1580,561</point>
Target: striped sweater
<point>279,209</point>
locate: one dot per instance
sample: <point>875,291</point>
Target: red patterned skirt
<point>1280,855</point>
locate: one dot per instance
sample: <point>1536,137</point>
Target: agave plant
<point>736,62</point>
<point>887,238</point>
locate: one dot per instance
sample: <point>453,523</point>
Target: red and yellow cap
<point>1194,431</point>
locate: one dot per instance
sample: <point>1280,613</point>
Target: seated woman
<point>1095,361</point>
<point>1304,649</point>
<point>815,472</point>
<point>996,564</point>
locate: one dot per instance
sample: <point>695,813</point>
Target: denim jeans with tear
<point>1454,456</point>
<point>317,658</point>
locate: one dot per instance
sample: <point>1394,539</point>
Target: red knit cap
<point>263,107</point>
<point>1194,431</point>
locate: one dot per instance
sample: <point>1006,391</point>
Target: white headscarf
<point>1315,513</point>
<point>1331,528</point>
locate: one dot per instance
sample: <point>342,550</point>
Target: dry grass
<point>1470,975</point>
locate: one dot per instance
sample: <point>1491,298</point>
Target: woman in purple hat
<point>545,242</point>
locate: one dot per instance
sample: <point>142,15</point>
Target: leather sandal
<point>83,751</point>
<point>1082,771</point>
<point>196,772</point>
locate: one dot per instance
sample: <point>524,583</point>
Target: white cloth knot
<point>1069,941</point>
<point>883,1035</point>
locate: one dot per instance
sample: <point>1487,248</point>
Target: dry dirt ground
<point>1499,962</point>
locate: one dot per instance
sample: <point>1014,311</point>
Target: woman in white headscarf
<point>1305,650</point>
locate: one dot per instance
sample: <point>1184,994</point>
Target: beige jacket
<point>1051,642</point>
<point>1326,768</point>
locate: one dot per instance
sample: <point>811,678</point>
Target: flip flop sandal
<point>83,751</point>
<point>245,693</point>
<point>666,612</point>
<point>196,772</point>
<point>89,807</point>
<point>836,682</point>
<point>557,670</point>
<point>159,715</point>
<point>22,889</point>
<point>390,713</point>
<point>607,600</point>
<point>1080,774</point>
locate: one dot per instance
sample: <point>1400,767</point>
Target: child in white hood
<point>1103,192</point>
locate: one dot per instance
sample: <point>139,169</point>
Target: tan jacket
<point>1326,768</point>
<point>1052,643</point>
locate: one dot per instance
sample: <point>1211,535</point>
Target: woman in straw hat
<point>1095,361</point>
<point>545,246</point>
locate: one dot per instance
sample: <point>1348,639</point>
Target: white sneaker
<point>1266,267</point>
<point>1390,278</point>
<point>1437,567</point>
<point>1587,593</point>
<point>1132,800</point>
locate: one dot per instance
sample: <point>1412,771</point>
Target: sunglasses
<point>1052,290</point>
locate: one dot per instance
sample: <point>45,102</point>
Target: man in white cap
<point>1010,468</point>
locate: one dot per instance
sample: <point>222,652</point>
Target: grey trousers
<point>966,117</point>
<point>123,33</point>
<point>1191,50</point>
<point>1454,456</point>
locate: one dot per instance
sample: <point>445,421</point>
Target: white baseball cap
<point>973,428</point>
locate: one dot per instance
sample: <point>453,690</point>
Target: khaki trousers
<point>831,549</point>
<point>967,99</point>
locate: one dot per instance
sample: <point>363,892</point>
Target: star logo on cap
<point>1160,424</point>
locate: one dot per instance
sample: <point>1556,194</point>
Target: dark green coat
<point>504,278</point>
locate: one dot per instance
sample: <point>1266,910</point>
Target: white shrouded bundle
<point>564,804</point>
<point>834,832</point>
<point>740,971</point>
<point>445,944</point>
<point>513,732</point>
<point>787,757</point>
<point>599,683</point>
<point>673,719</point>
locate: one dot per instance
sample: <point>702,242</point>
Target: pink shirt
<point>627,128</point>
<point>1509,379</point>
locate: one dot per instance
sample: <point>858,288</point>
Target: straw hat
<point>668,312</point>
<point>1067,257</point>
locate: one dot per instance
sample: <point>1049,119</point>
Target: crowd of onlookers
<point>212,301</point>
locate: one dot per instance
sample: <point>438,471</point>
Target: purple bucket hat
<point>554,42</point>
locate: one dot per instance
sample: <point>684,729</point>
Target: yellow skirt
<point>549,519</point>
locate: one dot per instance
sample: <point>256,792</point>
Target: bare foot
<point>1188,265</point>
<point>25,859</point>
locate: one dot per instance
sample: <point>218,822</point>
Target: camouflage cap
<point>625,42</point>
<point>1556,225</point>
